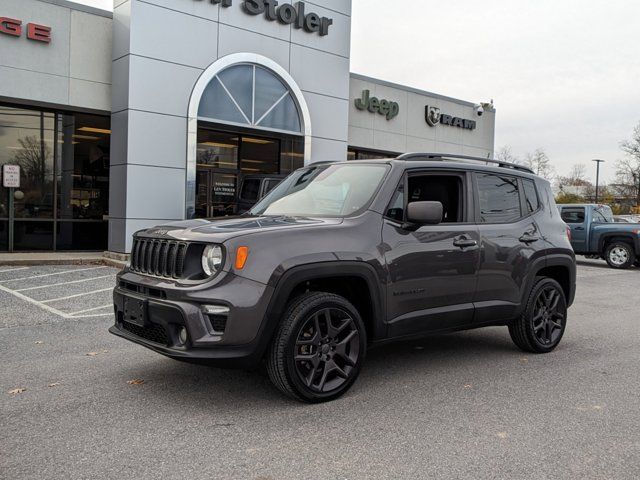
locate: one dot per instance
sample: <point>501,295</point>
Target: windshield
<point>336,190</point>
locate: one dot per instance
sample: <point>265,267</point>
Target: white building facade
<point>159,111</point>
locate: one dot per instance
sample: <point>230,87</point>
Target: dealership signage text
<point>13,27</point>
<point>434,117</point>
<point>374,105</point>
<point>287,14</point>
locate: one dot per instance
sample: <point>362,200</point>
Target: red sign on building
<point>36,32</point>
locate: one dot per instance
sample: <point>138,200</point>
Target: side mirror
<point>424,213</point>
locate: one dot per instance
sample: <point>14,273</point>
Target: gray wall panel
<point>320,72</point>
<point>236,40</point>
<point>90,35</point>
<point>85,94</point>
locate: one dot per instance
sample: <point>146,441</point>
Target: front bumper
<point>170,309</point>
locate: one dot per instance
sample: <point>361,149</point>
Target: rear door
<point>576,218</point>
<point>432,270</point>
<point>509,238</point>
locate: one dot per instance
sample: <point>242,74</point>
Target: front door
<point>216,193</point>
<point>576,219</point>
<point>432,271</point>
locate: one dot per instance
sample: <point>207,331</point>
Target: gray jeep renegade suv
<point>341,256</point>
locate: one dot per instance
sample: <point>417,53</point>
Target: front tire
<point>541,326</point>
<point>319,348</point>
<point>619,255</point>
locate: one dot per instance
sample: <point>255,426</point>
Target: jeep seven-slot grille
<point>163,258</point>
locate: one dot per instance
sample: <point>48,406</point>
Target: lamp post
<point>598,162</point>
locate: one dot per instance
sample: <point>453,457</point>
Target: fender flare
<point>634,240</point>
<point>552,260</point>
<point>287,281</point>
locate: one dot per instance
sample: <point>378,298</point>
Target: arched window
<point>251,95</point>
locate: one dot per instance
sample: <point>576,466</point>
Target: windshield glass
<point>327,191</point>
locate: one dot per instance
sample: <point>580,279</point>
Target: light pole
<point>636,180</point>
<point>598,162</point>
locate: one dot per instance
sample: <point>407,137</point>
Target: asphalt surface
<point>465,405</point>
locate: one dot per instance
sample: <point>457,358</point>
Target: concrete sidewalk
<point>63,258</point>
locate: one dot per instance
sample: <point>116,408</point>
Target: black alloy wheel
<point>541,326</point>
<point>319,348</point>
<point>327,349</point>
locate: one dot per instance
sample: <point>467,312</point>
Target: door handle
<point>579,228</point>
<point>529,238</point>
<point>464,242</point>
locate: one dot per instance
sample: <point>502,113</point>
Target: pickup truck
<point>595,234</point>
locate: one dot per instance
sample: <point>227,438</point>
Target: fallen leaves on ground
<point>51,385</point>
<point>17,391</point>
<point>589,408</point>
<point>524,360</point>
<point>136,381</point>
<point>92,354</point>
<point>38,342</point>
<point>468,387</point>
<point>502,435</point>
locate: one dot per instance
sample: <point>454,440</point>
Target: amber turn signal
<point>241,257</point>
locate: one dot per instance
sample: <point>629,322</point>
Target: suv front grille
<point>162,258</point>
<point>153,333</point>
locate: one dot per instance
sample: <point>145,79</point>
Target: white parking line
<point>52,274</point>
<point>87,310</point>
<point>63,283</point>
<point>55,311</point>
<point>76,295</point>
<point>14,269</point>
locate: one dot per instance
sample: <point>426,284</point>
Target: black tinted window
<point>573,215</point>
<point>270,185</point>
<point>250,189</point>
<point>499,198</point>
<point>530,195</point>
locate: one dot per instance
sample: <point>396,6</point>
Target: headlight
<point>212,259</point>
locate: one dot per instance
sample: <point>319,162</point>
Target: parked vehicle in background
<point>254,188</point>
<point>595,234</point>
<point>341,256</point>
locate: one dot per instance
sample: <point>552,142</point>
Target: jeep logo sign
<point>286,14</point>
<point>374,105</point>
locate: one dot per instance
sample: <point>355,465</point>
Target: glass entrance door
<point>225,159</point>
<point>217,193</point>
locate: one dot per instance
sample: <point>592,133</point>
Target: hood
<point>223,229</point>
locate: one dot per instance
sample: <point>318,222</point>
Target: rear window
<point>250,189</point>
<point>530,195</point>
<point>573,215</point>
<point>499,198</point>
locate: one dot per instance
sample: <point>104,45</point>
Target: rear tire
<point>619,255</point>
<point>319,348</point>
<point>541,326</point>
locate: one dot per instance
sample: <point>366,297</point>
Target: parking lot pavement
<point>37,295</point>
<point>466,405</point>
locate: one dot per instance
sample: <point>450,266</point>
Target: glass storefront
<point>63,199</point>
<point>362,154</point>
<point>227,159</point>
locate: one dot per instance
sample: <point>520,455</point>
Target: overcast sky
<point>564,74</point>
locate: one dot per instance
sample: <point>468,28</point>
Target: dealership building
<point>162,109</point>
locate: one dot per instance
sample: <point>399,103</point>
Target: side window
<point>446,189</point>
<point>396,206</point>
<point>499,198</point>
<point>250,189</point>
<point>573,215</point>
<point>530,195</point>
<point>270,185</point>
<point>599,217</point>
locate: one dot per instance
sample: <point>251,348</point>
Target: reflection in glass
<point>217,149</point>
<point>259,155</point>
<point>250,95</point>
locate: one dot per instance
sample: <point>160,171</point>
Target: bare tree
<point>628,169</point>
<point>505,154</point>
<point>540,163</point>
<point>32,158</point>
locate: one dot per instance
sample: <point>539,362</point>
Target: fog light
<point>183,335</point>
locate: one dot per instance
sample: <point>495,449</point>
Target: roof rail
<point>448,156</point>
